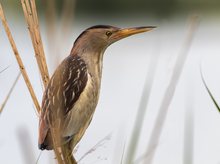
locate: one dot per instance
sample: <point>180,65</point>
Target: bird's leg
<point>55,136</point>
<point>67,154</point>
<point>58,157</point>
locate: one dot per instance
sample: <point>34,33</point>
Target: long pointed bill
<point>125,32</point>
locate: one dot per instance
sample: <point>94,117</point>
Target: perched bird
<point>72,94</point>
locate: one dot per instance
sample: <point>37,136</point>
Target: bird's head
<point>99,37</point>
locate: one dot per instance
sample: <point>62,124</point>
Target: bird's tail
<point>47,143</point>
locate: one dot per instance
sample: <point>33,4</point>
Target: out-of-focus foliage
<point>160,7</point>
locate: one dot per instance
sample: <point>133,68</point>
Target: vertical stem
<point>30,13</point>
<point>169,93</point>
<point>142,109</point>
<point>188,143</point>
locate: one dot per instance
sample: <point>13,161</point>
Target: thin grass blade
<point>9,93</point>
<point>169,93</point>
<point>208,90</point>
<point>189,120</point>
<point>4,69</point>
<point>96,146</point>
<point>142,108</point>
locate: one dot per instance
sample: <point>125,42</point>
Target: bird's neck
<point>93,60</point>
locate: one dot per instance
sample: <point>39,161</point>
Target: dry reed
<point>19,60</point>
<point>30,13</point>
<point>67,17</point>
<point>51,27</point>
<point>58,29</point>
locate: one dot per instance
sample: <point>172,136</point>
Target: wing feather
<point>62,92</point>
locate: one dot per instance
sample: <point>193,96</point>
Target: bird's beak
<point>125,32</point>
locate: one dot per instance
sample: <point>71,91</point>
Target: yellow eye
<point>108,33</point>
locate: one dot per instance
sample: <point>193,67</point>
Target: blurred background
<point>190,132</point>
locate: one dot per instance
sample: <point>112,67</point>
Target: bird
<point>71,96</point>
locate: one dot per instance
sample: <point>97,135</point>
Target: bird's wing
<point>62,92</point>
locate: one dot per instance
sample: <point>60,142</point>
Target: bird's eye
<point>108,33</point>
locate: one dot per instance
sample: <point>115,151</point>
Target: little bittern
<point>72,94</point>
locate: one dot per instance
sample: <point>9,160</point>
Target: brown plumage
<point>72,94</point>
<point>62,92</point>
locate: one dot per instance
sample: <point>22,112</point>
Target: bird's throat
<point>94,62</point>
